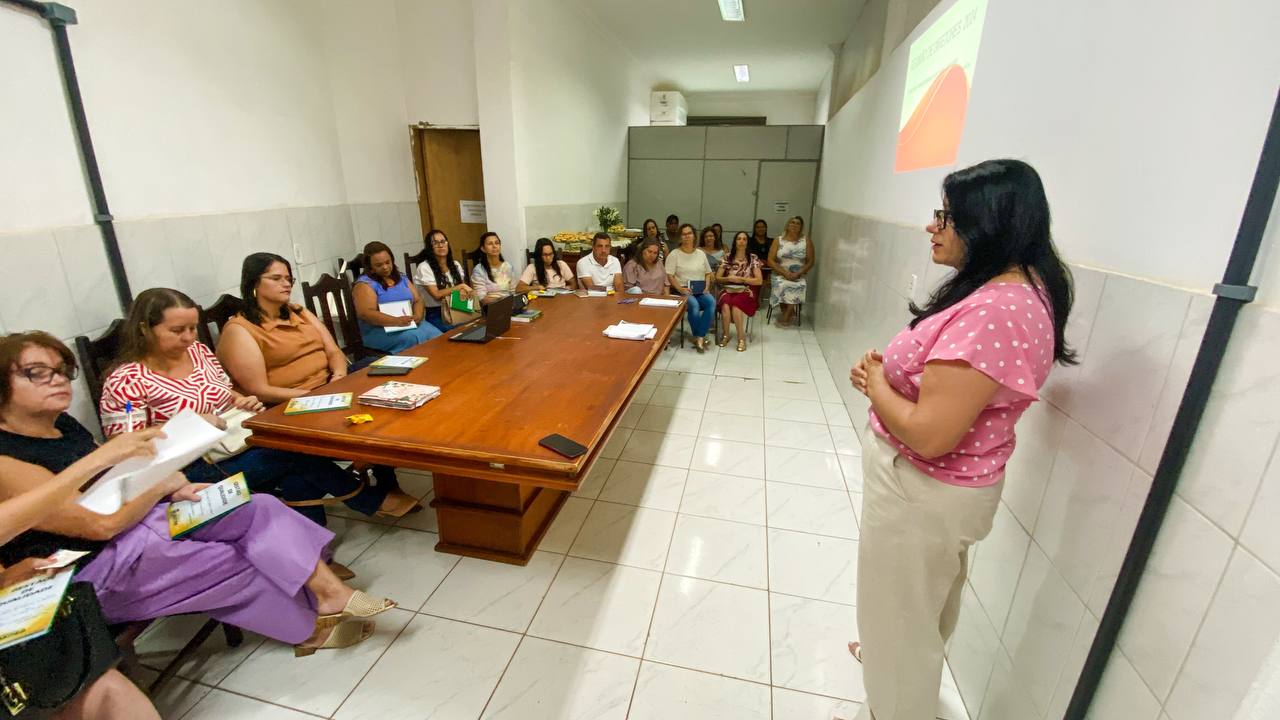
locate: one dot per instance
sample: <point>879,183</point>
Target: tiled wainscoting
<point>1204,620</point>
<point>60,281</point>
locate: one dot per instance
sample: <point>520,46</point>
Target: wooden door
<point>447,163</point>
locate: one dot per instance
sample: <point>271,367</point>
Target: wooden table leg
<point>493,520</point>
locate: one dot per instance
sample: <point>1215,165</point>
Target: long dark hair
<point>702,238</point>
<point>373,248</point>
<point>539,267</point>
<point>145,312</point>
<point>638,256</point>
<point>644,228</point>
<point>447,276</point>
<point>1000,212</point>
<point>250,273</point>
<point>732,252</point>
<point>482,259</point>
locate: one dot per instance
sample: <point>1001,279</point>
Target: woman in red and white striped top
<point>164,370</point>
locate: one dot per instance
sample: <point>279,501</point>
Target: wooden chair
<point>215,316</point>
<point>354,266</point>
<point>411,262</point>
<point>330,300</point>
<point>95,357</point>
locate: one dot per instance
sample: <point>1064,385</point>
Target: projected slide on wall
<point>940,70</point>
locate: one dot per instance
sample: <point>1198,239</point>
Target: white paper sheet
<point>399,308</point>
<point>659,302</point>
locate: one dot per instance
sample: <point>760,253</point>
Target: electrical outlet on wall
<point>911,286</point>
<point>299,257</point>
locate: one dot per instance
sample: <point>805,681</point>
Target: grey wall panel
<point>667,142</point>
<point>786,189</point>
<point>804,142</point>
<point>764,142</point>
<point>657,188</point>
<point>729,194</point>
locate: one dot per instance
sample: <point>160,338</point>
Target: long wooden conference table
<point>496,489</point>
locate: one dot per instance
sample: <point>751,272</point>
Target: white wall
<point>780,108</point>
<point>437,55</point>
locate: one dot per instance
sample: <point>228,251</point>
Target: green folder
<point>457,303</point>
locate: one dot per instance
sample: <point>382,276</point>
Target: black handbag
<point>44,673</point>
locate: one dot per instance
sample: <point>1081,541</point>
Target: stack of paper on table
<point>187,437</point>
<point>631,331</point>
<point>399,308</point>
<point>659,302</point>
<point>399,395</point>
<point>409,361</point>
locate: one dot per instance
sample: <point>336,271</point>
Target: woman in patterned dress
<point>791,259</point>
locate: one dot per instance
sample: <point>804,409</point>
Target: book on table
<point>526,316</point>
<point>185,516</point>
<point>28,608</point>
<point>399,395</point>
<point>408,361</point>
<point>318,403</point>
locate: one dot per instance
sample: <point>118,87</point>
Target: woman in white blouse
<point>687,264</point>
<point>492,276</point>
<point>440,275</point>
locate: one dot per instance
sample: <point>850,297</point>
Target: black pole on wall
<point>59,17</point>
<point>1233,293</point>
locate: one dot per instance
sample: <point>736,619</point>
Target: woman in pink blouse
<point>739,279</point>
<point>945,395</point>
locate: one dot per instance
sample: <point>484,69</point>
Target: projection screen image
<point>940,69</point>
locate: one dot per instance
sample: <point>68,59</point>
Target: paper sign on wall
<point>472,211</point>
<point>781,207</point>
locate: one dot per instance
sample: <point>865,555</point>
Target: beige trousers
<point>912,562</point>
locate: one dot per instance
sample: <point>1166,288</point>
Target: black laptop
<point>497,321</point>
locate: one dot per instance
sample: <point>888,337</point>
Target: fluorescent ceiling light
<point>740,72</point>
<point>731,10</point>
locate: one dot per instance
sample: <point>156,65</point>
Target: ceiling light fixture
<point>731,10</point>
<point>740,72</point>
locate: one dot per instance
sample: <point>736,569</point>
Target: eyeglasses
<point>439,242</point>
<point>940,218</point>
<point>43,374</point>
<point>283,279</point>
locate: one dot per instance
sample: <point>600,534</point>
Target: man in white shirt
<point>600,270</point>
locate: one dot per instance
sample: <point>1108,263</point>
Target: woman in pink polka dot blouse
<point>945,395</point>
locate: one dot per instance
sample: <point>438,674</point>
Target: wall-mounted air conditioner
<point>668,108</point>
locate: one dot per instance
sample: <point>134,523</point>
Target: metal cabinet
<point>786,189</point>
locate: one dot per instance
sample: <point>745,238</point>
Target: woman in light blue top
<point>383,284</point>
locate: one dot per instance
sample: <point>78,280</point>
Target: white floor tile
<point>846,441</point>
<point>735,386</point>
<point>741,369</point>
<point>176,696</point>
<point>837,414</point>
<point>209,664</point>
<point>813,566</point>
<point>790,390</point>
<point>618,440</point>
<point>598,605</point>
<point>810,650</point>
<point>498,595</point>
<point>353,536</point>
<point>787,372</point>
<point>645,485</point>
<point>851,466</point>
<point>685,380</point>
<point>797,435</point>
<point>592,483</point>
<point>798,410</point>
<point>659,449</point>
<point>719,550</point>
<point>728,457</point>
<point>687,398</point>
<point>811,510</point>
<point>723,426</point>
<point>553,681</point>
<point>671,693</point>
<point>437,668</point>
<point>425,519</point>
<point>725,497</point>
<point>221,705</point>
<point>803,467</point>
<point>631,415</point>
<point>855,499</point>
<point>626,535</point>
<point>712,627</point>
<point>793,704</point>
<point>316,684</point>
<point>673,420</point>
<point>402,565</point>
<point>744,404</point>
<point>565,527</point>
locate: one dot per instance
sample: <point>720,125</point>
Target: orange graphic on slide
<point>931,136</point>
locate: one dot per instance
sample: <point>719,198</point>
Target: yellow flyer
<point>28,608</point>
<point>186,517</point>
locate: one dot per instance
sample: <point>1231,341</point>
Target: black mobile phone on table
<point>391,370</point>
<point>562,445</point>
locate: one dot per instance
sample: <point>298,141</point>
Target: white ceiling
<point>687,47</point>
